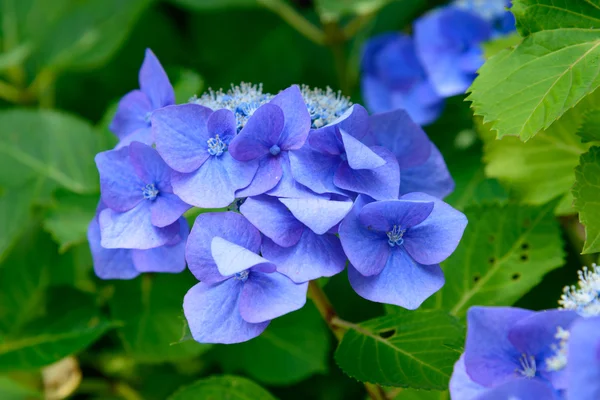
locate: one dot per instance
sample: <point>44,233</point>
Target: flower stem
<point>338,326</point>
<point>295,19</point>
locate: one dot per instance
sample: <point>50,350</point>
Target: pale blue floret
<point>150,191</point>
<point>216,146</point>
<point>395,236</point>
<point>584,298</point>
<point>324,106</point>
<point>241,276</point>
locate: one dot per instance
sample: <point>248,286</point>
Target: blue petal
<point>383,215</point>
<point>583,368</point>
<point>154,82</point>
<point>431,177</point>
<point>120,187</point>
<point>267,176</point>
<point>149,166</point>
<point>320,215</point>
<point>315,170</point>
<point>523,389</point>
<point>288,186</point>
<point>258,135</point>
<point>166,209</point>
<point>168,258</point>
<point>461,385</point>
<point>359,155</point>
<point>131,114</point>
<point>109,263</point>
<point>232,258</point>
<point>297,118</point>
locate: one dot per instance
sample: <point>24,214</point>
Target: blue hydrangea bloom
<point>299,234</point>
<point>494,11</point>
<point>194,141</point>
<point>240,292</point>
<point>132,120</point>
<point>335,160</point>
<point>129,263</point>
<point>519,390</point>
<point>395,247</point>
<point>393,78</point>
<point>449,44</point>
<point>142,210</point>
<point>583,368</point>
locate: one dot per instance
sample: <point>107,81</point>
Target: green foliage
<point>587,198</point>
<point>590,128</point>
<point>215,5</point>
<point>505,251</point>
<point>414,349</point>
<point>223,387</point>
<point>537,15</point>
<point>292,348</point>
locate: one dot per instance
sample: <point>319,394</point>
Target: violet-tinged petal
<point>521,389</point>
<point>222,123</point>
<point>181,134</point>
<point>315,170</point>
<point>354,121</point>
<point>583,367</point>
<point>154,82</point>
<point>133,229</point>
<point>384,215</point>
<point>142,135</point>
<point>436,238</point>
<point>326,140</point>
<point>288,186</point>
<point>402,282</point>
<point>268,296</point>
<point>213,315</point>
<point>367,250</point>
<point>168,258</point>
<point>320,215</point>
<point>149,166</point>
<point>381,183</point>
<point>166,209</point>
<point>230,226</point>
<point>259,134</point>
<point>313,257</point>
<point>231,258</point>
<point>297,118</point>
<point>431,177</point>
<point>132,114</point>
<point>267,176</point>
<point>120,187</point>
<point>273,219</point>
<point>214,184</point>
<point>109,263</point>
<point>397,132</point>
<point>360,156</point>
<point>461,385</point>
<point>490,358</point>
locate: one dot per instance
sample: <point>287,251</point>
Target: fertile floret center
<point>150,191</point>
<point>216,146</point>
<point>274,150</point>
<point>241,276</point>
<point>528,366</point>
<point>395,236</point>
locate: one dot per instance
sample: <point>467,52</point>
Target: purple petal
<point>231,258</point>
<point>381,183</point>
<point>155,82</point>
<point>149,166</point>
<point>402,282</point>
<point>354,121</point>
<point>490,358</point>
<point>326,140</point>
<point>461,385</point>
<point>436,238</point>
<point>522,389</point>
<point>583,368</point>
<point>367,250</point>
<point>142,135</point>
<point>120,187</point>
<point>230,226</point>
<point>259,134</point>
<point>109,263</point>
<point>181,133</point>
<point>313,257</point>
<point>297,118</point>
<point>213,315</point>
<point>214,184</point>
<point>397,132</point>
<point>384,215</point>
<point>268,296</point>
<point>359,155</point>
<point>133,229</point>
<point>376,94</point>
<point>431,177</point>
<point>267,176</point>
<point>222,123</point>
<point>168,258</point>
<point>166,209</point>
<point>131,114</point>
<point>273,219</point>
<point>315,170</point>
<point>320,215</point>
<point>288,186</point>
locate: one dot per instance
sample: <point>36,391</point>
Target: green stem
<point>356,25</point>
<point>295,19</point>
<point>13,94</point>
<point>336,40</point>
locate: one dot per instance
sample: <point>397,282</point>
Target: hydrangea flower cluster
<point>441,60</point>
<point>517,353</point>
<point>309,180</point>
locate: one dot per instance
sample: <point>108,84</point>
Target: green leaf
<point>13,390</point>
<point>222,387</point>
<point>412,394</point>
<point>150,307</point>
<point>15,204</point>
<point>587,198</point>
<point>590,128</point>
<point>187,84</point>
<point>504,42</point>
<point>505,251</point>
<point>414,349</point>
<point>292,348</point>
<point>64,330</point>
<point>525,167</point>
<point>333,10</point>
<point>537,15</point>
<point>213,5</point>
<point>525,90</point>
<point>68,220</point>
<point>50,144</point>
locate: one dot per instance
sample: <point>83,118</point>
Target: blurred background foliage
<point>64,65</point>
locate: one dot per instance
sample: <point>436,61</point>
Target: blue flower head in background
<point>494,11</point>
